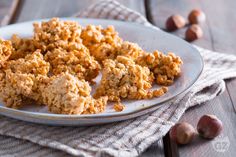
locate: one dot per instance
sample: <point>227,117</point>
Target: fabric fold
<point>127,138</point>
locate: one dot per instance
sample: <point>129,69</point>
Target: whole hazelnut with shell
<point>175,22</point>
<point>209,126</point>
<point>182,133</point>
<point>196,16</point>
<point>193,32</point>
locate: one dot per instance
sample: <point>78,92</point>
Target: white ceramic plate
<point>149,39</point>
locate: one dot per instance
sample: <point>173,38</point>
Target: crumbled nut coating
<point>101,42</point>
<point>63,48</point>
<point>33,63</point>
<point>118,107</point>
<point>22,47</point>
<point>20,79</point>
<point>130,50</point>
<point>5,50</point>
<point>122,78</point>
<point>52,68</point>
<point>165,67</point>
<point>55,33</point>
<point>77,62</point>
<point>28,85</point>
<point>67,94</point>
<point>18,88</point>
<point>9,95</point>
<point>94,106</point>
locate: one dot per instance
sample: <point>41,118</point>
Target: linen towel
<point>121,139</point>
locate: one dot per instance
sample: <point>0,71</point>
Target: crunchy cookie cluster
<point>66,94</point>
<point>21,47</point>
<point>59,63</point>
<point>102,43</point>
<point>57,34</point>
<point>32,67</point>
<point>32,63</point>
<point>164,67</point>
<point>130,50</point>
<point>77,62</point>
<point>123,78</point>
<point>5,50</point>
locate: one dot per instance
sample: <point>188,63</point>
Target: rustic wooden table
<point>219,35</point>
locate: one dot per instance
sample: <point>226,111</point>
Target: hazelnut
<point>193,32</point>
<point>173,132</point>
<point>182,133</point>
<point>209,126</point>
<point>175,22</point>
<point>196,16</point>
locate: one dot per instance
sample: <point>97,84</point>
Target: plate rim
<point>108,115</point>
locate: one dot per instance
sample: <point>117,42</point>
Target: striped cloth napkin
<point>120,139</point>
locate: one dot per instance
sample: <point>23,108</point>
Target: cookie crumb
<point>118,107</point>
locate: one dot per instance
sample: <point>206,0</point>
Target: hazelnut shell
<point>209,126</point>
<point>182,133</point>
<point>175,22</point>
<point>196,16</point>
<point>193,32</point>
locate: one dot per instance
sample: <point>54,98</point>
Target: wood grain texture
<point>223,109</point>
<point>219,35</point>
<point>160,10</point>
<point>219,28</point>
<point>171,148</point>
<point>7,10</point>
<point>222,25</point>
<point>34,9</point>
<point>231,86</point>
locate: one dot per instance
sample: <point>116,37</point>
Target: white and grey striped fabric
<point>128,138</point>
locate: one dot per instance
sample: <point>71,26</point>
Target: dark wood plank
<point>219,29</point>
<point>231,84</point>
<point>222,24</point>
<point>160,10</point>
<point>34,9</point>
<point>137,5</point>
<point>7,10</point>
<point>223,109</point>
<point>171,148</point>
<point>219,26</point>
